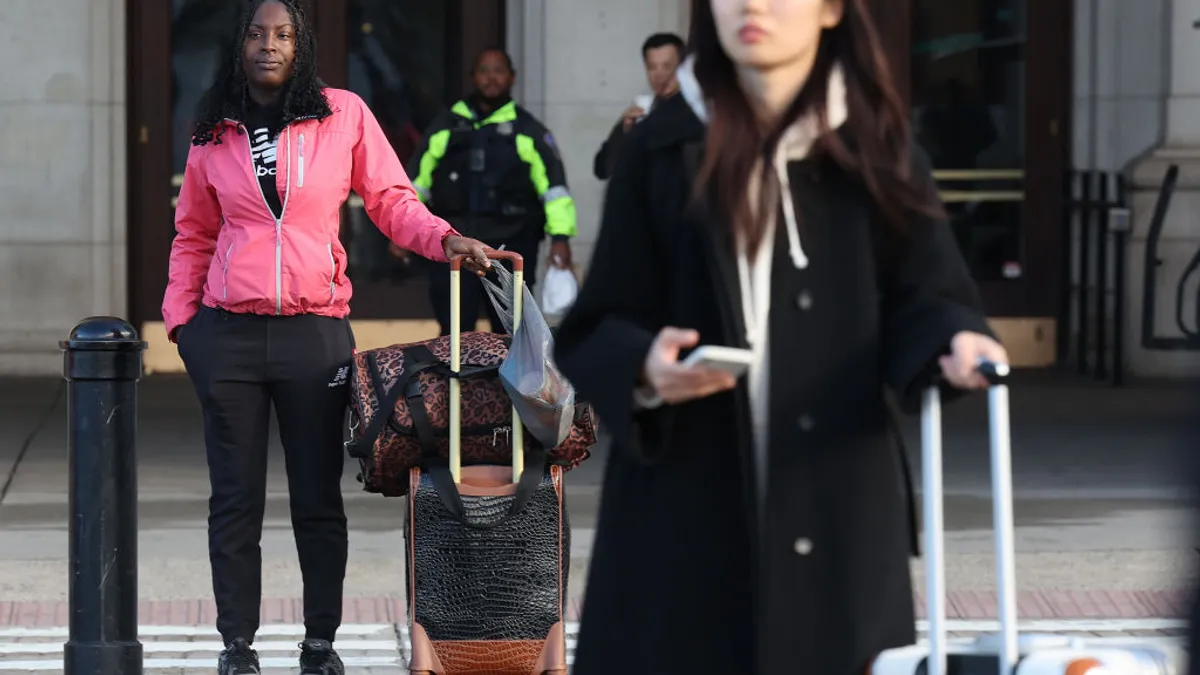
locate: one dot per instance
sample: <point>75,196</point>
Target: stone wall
<point>1163,98</point>
<point>62,174</point>
<point>580,66</point>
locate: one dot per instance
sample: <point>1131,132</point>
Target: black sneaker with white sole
<point>238,659</point>
<point>317,657</point>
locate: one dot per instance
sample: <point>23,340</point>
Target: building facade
<point>1007,95</point>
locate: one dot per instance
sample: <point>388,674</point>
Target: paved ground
<point>365,648</point>
<point>382,648</point>
<point>1105,521</point>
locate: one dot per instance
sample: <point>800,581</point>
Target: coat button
<point>805,423</point>
<point>804,301</point>
<point>802,546</point>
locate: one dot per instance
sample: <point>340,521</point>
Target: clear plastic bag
<point>559,289</point>
<point>543,397</point>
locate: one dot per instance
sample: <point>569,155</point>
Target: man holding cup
<point>661,56</point>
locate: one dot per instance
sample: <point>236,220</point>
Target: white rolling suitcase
<point>1007,653</point>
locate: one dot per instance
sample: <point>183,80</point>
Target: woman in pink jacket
<point>257,301</point>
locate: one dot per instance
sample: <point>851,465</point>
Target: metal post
<point>1085,258</point>
<point>1120,223</point>
<point>1066,262</point>
<point>1103,209</point>
<point>102,362</point>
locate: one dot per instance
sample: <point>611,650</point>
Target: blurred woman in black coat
<point>761,526</point>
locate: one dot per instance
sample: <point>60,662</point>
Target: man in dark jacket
<point>490,168</point>
<point>661,55</point>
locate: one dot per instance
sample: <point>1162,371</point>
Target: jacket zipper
<point>300,163</point>
<point>278,221</point>
<point>225,273</point>
<point>332,273</point>
<point>286,194</point>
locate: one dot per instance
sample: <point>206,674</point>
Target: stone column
<point>674,16</point>
<point>526,41</point>
<point>1183,103</point>
<point>1180,239</point>
<point>62,175</point>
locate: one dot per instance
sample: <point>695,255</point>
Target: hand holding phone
<point>675,381</point>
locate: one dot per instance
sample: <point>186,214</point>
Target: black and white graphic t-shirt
<point>263,125</point>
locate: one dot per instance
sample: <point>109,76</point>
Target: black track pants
<point>240,365</point>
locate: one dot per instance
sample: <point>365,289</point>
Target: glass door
<point>968,112</point>
<point>408,60</point>
<point>396,61</point>
<point>989,86</point>
<point>175,49</point>
<point>200,34</point>
<point>988,83</point>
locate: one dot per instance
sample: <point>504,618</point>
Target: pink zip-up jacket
<point>232,253</point>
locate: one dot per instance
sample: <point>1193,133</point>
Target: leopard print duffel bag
<point>400,411</point>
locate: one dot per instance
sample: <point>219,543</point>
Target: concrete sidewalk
<point>1105,522</point>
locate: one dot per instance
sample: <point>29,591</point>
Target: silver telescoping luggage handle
<point>1002,520</point>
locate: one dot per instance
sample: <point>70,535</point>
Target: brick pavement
<point>1032,605</point>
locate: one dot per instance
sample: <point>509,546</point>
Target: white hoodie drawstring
<point>755,284</point>
<point>795,250</point>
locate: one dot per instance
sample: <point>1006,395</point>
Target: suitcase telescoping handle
<point>518,432</point>
<point>1002,517</point>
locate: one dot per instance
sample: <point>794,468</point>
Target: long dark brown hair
<point>877,130</point>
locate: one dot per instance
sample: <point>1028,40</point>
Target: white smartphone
<point>729,359</point>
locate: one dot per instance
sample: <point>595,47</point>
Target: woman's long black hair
<point>302,96</point>
<point>879,150</point>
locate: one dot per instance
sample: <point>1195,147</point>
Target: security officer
<point>493,171</point>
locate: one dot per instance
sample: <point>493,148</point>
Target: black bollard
<point>102,363</point>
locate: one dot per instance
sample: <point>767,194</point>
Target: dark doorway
<point>988,84</point>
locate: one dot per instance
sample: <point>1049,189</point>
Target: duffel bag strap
<point>416,406</point>
<point>443,483</point>
<point>438,467</point>
<point>416,359</point>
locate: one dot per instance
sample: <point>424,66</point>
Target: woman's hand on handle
<point>961,366</point>
<point>478,261</point>
<point>675,382</point>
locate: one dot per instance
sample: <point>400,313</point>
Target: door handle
<point>977,174</point>
<point>957,196</point>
